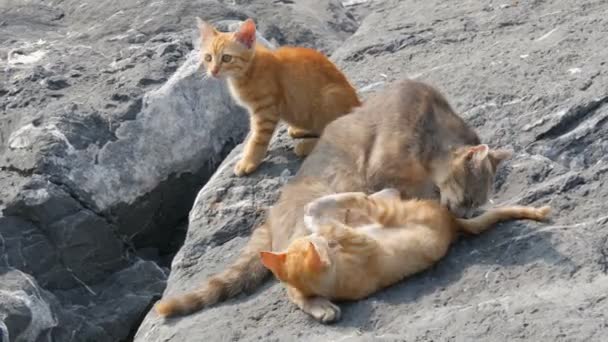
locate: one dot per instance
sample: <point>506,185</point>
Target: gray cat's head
<point>469,178</point>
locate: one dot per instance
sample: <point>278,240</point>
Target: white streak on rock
<point>17,58</point>
<point>546,35</point>
<point>348,3</point>
<point>371,87</point>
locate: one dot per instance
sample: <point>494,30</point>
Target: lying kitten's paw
<point>543,213</point>
<point>315,212</point>
<point>388,193</point>
<point>310,223</point>
<point>322,205</point>
<point>312,210</point>
<point>324,311</point>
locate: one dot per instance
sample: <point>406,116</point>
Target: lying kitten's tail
<point>244,275</point>
<point>484,221</point>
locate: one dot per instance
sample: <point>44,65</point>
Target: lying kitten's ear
<point>246,33</point>
<point>206,30</point>
<point>314,262</point>
<point>274,261</point>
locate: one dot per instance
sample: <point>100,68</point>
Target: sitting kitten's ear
<point>246,33</point>
<point>497,156</point>
<point>314,262</point>
<point>275,262</point>
<point>206,30</point>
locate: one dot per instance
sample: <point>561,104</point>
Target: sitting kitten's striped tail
<point>244,275</point>
<point>484,221</point>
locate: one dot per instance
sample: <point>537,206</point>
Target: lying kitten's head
<point>469,180</point>
<point>305,265</point>
<point>226,54</point>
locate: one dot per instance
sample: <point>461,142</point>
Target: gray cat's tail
<point>484,221</point>
<point>243,275</point>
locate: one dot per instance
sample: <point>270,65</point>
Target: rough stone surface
<point>529,75</point>
<point>107,133</point>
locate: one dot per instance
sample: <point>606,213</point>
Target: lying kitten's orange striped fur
<point>350,258</point>
<point>298,85</point>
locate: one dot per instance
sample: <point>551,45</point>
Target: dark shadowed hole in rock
<point>166,231</point>
<point>160,218</point>
<point>140,319</point>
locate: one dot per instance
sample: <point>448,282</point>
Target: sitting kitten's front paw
<point>296,133</point>
<point>244,167</point>
<point>324,311</point>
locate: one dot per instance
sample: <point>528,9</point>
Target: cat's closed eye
<point>208,57</point>
<point>226,58</point>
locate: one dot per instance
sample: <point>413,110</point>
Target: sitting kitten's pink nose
<point>214,72</point>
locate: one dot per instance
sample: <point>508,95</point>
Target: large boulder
<point>526,75</point>
<point>94,193</point>
<point>108,131</point>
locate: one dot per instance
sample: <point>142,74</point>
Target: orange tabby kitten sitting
<point>389,239</point>
<point>298,85</point>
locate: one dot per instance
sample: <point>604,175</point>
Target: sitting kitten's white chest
<point>236,95</point>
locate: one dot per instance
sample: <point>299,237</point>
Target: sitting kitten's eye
<point>208,57</point>
<point>226,58</point>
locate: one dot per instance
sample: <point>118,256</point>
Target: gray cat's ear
<point>246,33</point>
<point>389,193</point>
<point>498,155</point>
<point>478,153</point>
<point>205,29</point>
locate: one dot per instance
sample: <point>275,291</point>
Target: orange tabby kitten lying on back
<point>389,239</point>
<point>298,85</point>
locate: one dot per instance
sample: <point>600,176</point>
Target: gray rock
<point>527,75</point>
<point>93,193</point>
<point>107,132</point>
<point>24,310</point>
